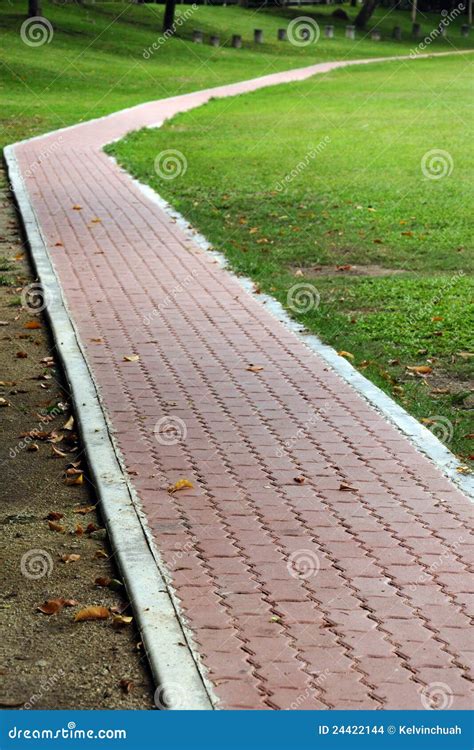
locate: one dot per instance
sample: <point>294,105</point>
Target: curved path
<point>350,590</point>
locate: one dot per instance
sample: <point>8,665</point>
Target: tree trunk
<point>365,13</point>
<point>353,3</point>
<point>414,8</point>
<point>469,16</point>
<point>34,8</point>
<point>168,21</point>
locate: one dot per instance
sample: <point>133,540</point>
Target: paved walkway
<point>350,590</point>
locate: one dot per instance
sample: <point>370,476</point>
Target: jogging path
<point>350,589</point>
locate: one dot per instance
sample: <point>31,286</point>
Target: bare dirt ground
<point>46,516</point>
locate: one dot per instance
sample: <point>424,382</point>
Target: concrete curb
<point>175,670</point>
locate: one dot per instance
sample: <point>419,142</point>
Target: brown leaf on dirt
<point>4,402</point>
<point>75,479</point>
<point>84,510</point>
<point>421,370</point>
<point>70,558</point>
<point>21,355</point>
<point>181,484</point>
<point>54,526</point>
<point>131,358</point>
<point>51,607</point>
<point>345,267</point>
<point>465,355</point>
<point>32,325</point>
<point>57,453</point>
<point>126,686</point>
<point>254,368</point>
<point>54,516</point>
<point>92,613</point>
<point>79,530</point>
<point>32,448</point>
<point>69,425</point>
<point>103,581</point>
<point>101,554</point>
<point>90,528</point>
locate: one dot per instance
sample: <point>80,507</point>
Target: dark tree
<point>365,13</point>
<point>168,21</point>
<point>34,8</point>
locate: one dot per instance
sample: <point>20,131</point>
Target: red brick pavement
<point>298,596</point>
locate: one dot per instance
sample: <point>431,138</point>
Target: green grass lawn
<point>95,63</point>
<point>321,182</point>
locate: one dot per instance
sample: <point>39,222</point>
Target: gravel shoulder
<point>53,546</point>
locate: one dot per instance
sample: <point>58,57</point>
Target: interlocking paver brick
<point>296,596</point>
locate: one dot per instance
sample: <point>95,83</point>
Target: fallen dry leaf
<point>4,402</point>
<point>420,370</point>
<point>347,355</point>
<point>76,479</point>
<point>103,581</point>
<point>57,453</point>
<point>51,607</point>
<point>54,526</point>
<point>32,325</point>
<point>92,613</point>
<point>254,368</point>
<point>126,686</point>
<point>346,487</point>
<point>299,480</point>
<point>70,558</point>
<point>77,208</point>
<point>131,358</point>
<point>21,355</point>
<point>181,484</point>
<point>69,425</point>
<point>101,554</point>
<point>85,509</point>
<point>79,530</point>
<point>54,516</point>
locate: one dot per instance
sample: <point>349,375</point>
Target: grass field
<point>327,183</point>
<point>96,60</point>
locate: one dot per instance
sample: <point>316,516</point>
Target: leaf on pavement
<point>181,484</point>
<point>131,358</point>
